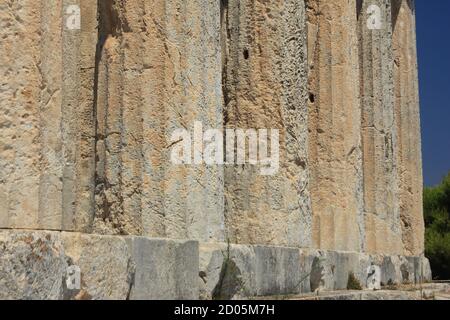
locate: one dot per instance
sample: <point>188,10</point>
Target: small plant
<point>391,286</point>
<point>353,283</point>
<point>230,281</point>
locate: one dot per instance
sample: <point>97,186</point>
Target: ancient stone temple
<point>92,205</point>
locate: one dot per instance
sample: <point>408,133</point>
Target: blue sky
<point>433,44</point>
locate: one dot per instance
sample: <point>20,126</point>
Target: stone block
<point>32,265</point>
<point>237,271</point>
<point>165,269</point>
<point>427,275</point>
<point>277,270</point>
<point>105,264</point>
<point>35,265</point>
<point>227,272</point>
<point>322,271</point>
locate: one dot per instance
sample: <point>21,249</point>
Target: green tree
<point>436,205</point>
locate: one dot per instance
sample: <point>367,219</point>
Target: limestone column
<point>407,120</point>
<point>46,115</point>
<point>334,126</point>
<point>159,69</point>
<point>264,44</point>
<point>20,120</point>
<point>379,134</point>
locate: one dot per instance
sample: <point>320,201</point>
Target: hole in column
<point>312,98</point>
<point>246,54</point>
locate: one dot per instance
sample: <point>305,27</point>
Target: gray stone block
<point>389,267</point>
<point>165,269</point>
<point>277,270</point>
<point>227,272</point>
<point>322,271</point>
<point>330,270</point>
<point>237,271</point>
<point>427,275</point>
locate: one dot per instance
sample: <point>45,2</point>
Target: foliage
<point>353,283</point>
<point>436,205</point>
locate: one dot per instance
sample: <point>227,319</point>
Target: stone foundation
<point>34,265</point>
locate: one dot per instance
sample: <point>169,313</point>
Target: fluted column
<point>407,120</point>
<point>46,162</point>
<point>334,126</point>
<point>159,68</point>
<point>264,45</point>
<point>379,134</point>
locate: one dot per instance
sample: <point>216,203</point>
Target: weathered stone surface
<point>86,121</point>
<point>20,115</point>
<point>237,271</point>
<point>159,70</point>
<point>407,120</point>
<point>32,265</point>
<point>425,270</point>
<point>373,278</point>
<point>378,207</point>
<point>100,103</point>
<point>391,270</point>
<point>46,124</point>
<point>106,265</point>
<point>378,131</point>
<point>321,271</point>
<point>277,270</point>
<point>140,76</point>
<point>330,270</point>
<point>265,88</point>
<point>165,269</point>
<point>334,122</point>
<point>226,271</point>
